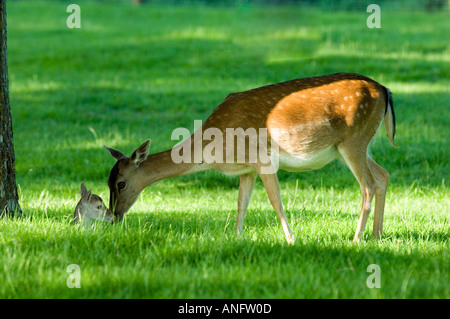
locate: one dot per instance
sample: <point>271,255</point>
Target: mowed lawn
<point>133,73</point>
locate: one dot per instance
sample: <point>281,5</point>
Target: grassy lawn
<point>131,73</point>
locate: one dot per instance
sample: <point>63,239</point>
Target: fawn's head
<point>125,179</point>
<point>90,207</point>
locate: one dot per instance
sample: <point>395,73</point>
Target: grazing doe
<point>90,207</point>
<point>310,121</point>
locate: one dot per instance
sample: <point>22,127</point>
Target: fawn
<point>90,207</point>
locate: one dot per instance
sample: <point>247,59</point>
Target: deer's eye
<point>121,185</point>
<point>99,207</point>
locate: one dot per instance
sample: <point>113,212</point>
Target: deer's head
<point>125,179</point>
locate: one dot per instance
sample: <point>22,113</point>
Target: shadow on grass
<point>194,264</point>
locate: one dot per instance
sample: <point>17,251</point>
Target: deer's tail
<point>389,118</point>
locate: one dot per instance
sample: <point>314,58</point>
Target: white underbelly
<point>298,162</point>
<point>307,161</point>
<point>234,169</point>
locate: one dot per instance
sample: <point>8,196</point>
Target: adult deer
<point>316,120</point>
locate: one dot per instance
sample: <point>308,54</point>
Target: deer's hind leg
<point>381,183</point>
<point>355,156</point>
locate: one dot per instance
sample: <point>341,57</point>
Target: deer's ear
<point>140,154</point>
<point>115,153</point>
<point>83,189</point>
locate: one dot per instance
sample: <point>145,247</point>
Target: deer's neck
<point>160,166</point>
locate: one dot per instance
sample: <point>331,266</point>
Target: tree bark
<point>9,200</point>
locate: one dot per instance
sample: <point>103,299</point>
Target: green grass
<point>135,73</point>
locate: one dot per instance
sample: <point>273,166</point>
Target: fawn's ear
<point>87,196</point>
<point>140,154</point>
<point>83,189</point>
<point>115,153</point>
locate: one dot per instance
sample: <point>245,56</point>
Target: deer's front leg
<point>245,192</point>
<point>273,191</point>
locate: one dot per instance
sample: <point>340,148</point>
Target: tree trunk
<point>9,201</point>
